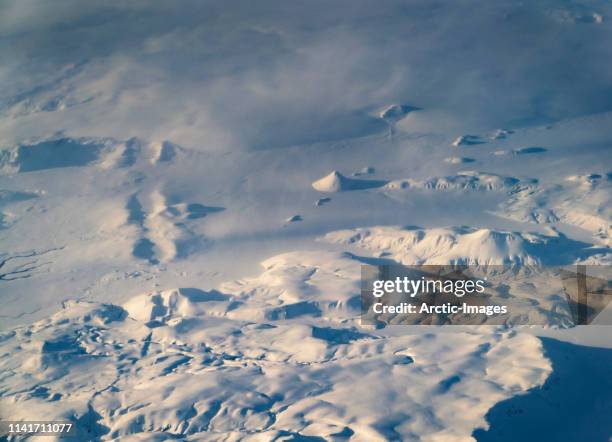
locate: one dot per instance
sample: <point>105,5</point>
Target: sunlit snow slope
<point>187,194</point>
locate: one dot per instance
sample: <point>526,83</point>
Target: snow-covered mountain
<point>188,193</point>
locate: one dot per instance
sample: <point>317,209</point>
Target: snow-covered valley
<point>187,197</point>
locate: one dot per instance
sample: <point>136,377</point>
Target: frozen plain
<point>187,195</point>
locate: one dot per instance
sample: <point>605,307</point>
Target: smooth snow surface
<point>188,192</point>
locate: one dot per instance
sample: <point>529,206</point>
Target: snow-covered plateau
<point>189,190</point>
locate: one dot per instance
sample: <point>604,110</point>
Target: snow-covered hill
<point>187,196</point>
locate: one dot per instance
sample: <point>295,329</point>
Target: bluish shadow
<point>575,403</point>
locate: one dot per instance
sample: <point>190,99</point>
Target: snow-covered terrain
<point>188,193</point>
